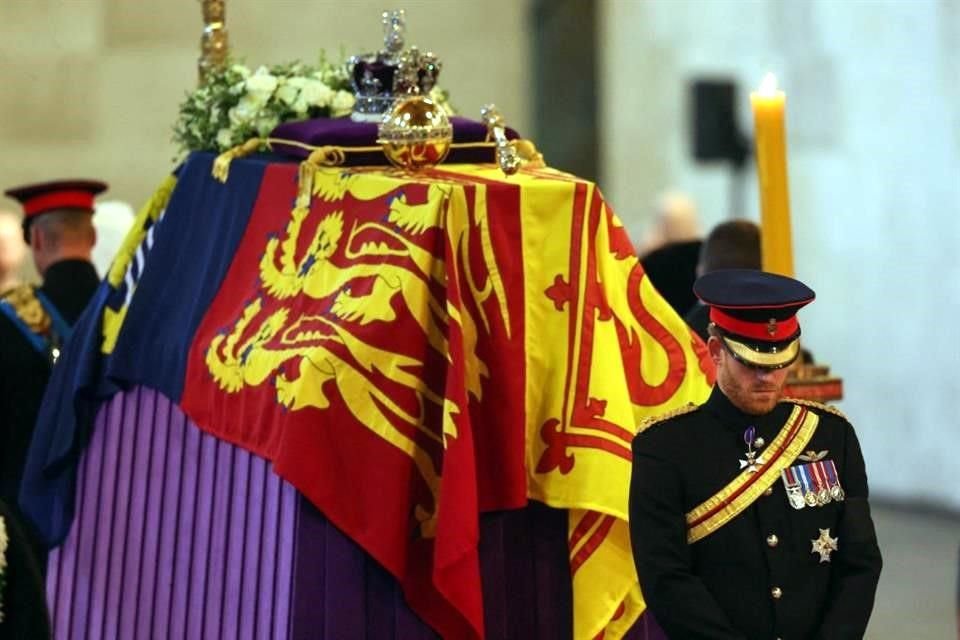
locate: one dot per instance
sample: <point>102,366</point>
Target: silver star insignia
<point>824,545</point>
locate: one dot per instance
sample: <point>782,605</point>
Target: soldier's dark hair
<point>734,244</point>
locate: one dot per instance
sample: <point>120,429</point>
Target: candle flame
<point>768,86</point>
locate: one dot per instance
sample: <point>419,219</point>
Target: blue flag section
<point>191,247</point>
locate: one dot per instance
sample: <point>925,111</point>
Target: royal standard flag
<point>409,350</point>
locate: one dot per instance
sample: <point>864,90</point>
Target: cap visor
<point>763,359</point>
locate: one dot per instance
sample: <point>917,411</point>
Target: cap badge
<point>772,326</point>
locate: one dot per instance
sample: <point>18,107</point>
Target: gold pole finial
<point>213,43</point>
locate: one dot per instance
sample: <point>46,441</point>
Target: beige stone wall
<point>91,87</point>
<point>873,124</point>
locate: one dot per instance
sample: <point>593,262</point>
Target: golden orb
<point>415,133</point>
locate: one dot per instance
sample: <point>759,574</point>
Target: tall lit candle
<point>769,106</point>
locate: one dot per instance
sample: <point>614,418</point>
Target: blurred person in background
<point>13,250</point>
<point>734,244</point>
<point>35,322</point>
<point>675,220</point>
<point>670,248</point>
<point>112,220</point>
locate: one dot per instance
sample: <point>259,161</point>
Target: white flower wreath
<point>235,104</point>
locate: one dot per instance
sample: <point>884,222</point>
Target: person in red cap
<point>35,322</point>
<point>749,516</point>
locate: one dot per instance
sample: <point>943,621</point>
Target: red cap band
<point>58,200</point>
<point>772,331</point>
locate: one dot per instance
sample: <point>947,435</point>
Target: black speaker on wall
<point>716,135</point>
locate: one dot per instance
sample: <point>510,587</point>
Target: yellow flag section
<point>603,351</point>
<point>125,268</point>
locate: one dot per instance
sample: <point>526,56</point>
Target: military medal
<point>792,485</point>
<point>824,545</point>
<point>835,489</point>
<point>822,487</point>
<point>753,460</point>
<point>809,496</point>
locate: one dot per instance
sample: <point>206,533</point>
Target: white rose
<point>240,70</point>
<point>224,138</point>
<point>245,111</point>
<point>317,94</point>
<point>287,93</point>
<point>266,124</point>
<point>300,105</point>
<point>262,84</point>
<point>342,104</point>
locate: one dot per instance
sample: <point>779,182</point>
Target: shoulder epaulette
<point>27,306</point>
<point>649,421</point>
<point>829,408</point>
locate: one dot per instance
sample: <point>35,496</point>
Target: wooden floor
<point>917,597</point>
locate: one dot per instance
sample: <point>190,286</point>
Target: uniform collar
<point>64,274</point>
<point>736,420</point>
<point>69,283</point>
<point>729,415</point>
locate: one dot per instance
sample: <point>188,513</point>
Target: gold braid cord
<point>336,156</point>
<point>829,408</point>
<point>25,302</point>
<point>648,422</point>
<point>528,153</point>
<point>221,166</point>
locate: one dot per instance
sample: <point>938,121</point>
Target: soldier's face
<point>751,389</point>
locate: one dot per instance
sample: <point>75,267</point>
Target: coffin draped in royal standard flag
<point>408,351</point>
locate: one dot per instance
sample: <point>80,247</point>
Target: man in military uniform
<point>748,515</point>
<point>35,322</point>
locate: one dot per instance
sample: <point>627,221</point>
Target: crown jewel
<point>393,73</point>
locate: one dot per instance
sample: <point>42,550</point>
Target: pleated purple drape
<point>180,535</point>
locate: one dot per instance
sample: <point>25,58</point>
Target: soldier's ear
<point>37,241</point>
<point>715,348</point>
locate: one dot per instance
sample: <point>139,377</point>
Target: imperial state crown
<point>393,73</point>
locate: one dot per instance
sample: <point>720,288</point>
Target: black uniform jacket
<point>756,577</point>
<point>23,595</point>
<point>24,372</point>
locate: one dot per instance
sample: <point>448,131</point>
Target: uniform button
<point>759,442</point>
<point>772,540</point>
<point>768,491</point>
<point>776,592</point>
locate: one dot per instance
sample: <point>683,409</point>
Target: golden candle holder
<point>813,382</point>
<point>213,43</point>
